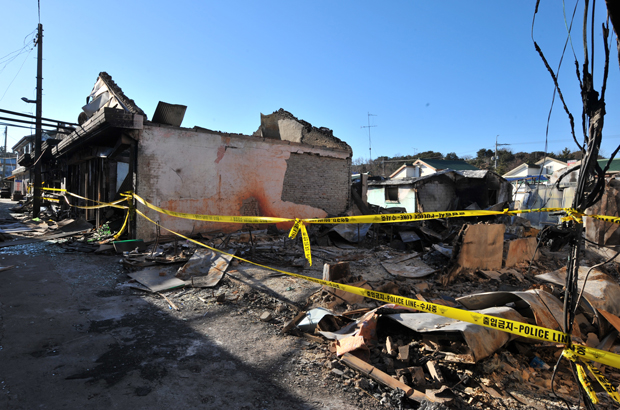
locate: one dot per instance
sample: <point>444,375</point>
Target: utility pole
<point>369,127</point>
<point>497,145</point>
<point>36,201</point>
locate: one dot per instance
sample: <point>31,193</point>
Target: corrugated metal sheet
<point>170,114</point>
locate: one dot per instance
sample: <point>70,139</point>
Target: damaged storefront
<point>287,168</point>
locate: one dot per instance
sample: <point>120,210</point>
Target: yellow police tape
<point>54,189</point>
<point>214,218</point>
<point>504,325</point>
<point>299,223</point>
<point>385,218</point>
<point>585,381</point>
<point>120,231</point>
<point>113,204</point>
<point>47,198</point>
<point>102,205</point>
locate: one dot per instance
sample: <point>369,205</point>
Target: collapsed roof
<point>283,125</point>
<point>106,93</point>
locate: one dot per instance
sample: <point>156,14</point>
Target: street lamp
<point>24,99</point>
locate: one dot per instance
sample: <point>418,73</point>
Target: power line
<point>25,122</point>
<point>32,116</point>
<point>18,71</point>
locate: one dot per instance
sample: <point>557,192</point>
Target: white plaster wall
<point>553,165</point>
<point>424,170</point>
<point>210,173</point>
<point>407,172</point>
<point>525,172</point>
<point>376,195</point>
<point>406,198</point>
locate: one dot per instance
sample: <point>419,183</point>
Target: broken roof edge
<point>482,173</point>
<point>479,174</point>
<point>307,133</point>
<point>254,136</point>
<point>127,102</point>
<point>448,173</point>
<point>204,130</point>
<point>436,163</point>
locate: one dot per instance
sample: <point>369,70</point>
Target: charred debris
<point>498,265</point>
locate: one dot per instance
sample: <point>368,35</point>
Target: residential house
<point>424,167</point>
<point>22,175</point>
<point>441,191</point>
<point>8,162</point>
<point>614,167</point>
<point>546,167</point>
<point>529,179</point>
<point>287,168</point>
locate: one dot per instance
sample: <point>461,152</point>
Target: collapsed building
<point>445,190</point>
<point>287,168</point>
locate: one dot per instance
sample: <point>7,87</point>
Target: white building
<point>548,166</point>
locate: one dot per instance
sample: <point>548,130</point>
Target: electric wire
<point>555,370</point>
<point>588,275</point>
<point>12,56</point>
<point>555,90</point>
<point>25,44</point>
<point>582,199</point>
<point>18,71</point>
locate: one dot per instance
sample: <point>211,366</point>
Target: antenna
<point>369,127</point>
<point>497,145</point>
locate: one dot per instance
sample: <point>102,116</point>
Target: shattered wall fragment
<point>482,247</point>
<point>282,125</point>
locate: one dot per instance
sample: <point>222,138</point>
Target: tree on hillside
<point>565,154</point>
<point>484,153</point>
<point>451,156</point>
<point>429,155</point>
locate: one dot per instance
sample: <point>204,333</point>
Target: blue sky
<point>443,76</point>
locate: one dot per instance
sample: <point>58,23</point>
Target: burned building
<point>287,168</point>
<point>441,191</point>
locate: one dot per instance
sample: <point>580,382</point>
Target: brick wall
<point>436,196</point>
<point>318,181</point>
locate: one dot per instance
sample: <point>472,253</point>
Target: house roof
<point>457,165</point>
<point>536,165</point>
<point>400,169</point>
<point>515,170</point>
<point>127,102</point>
<point>22,142</point>
<point>540,162</point>
<point>613,167</point>
<point>449,173</point>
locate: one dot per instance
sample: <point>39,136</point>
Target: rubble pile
<point>428,357</point>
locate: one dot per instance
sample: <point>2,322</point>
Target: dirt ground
<point>72,338</point>
<point>75,333</point>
